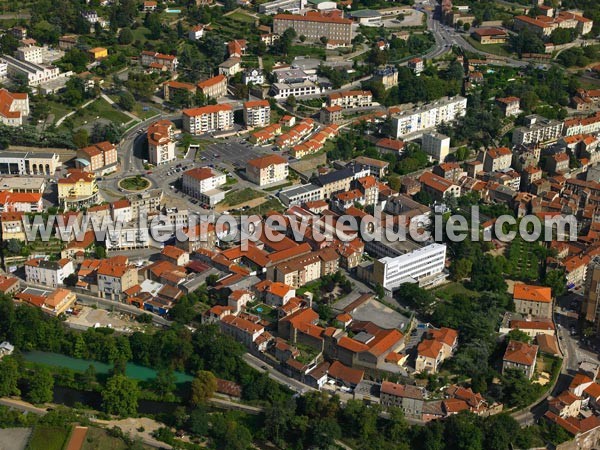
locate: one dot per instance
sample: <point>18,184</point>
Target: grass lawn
<point>494,49</point>
<point>99,439</point>
<point>59,110</point>
<point>241,17</point>
<point>266,312</point>
<point>134,183</point>
<point>268,63</point>
<point>141,34</point>
<point>448,290</point>
<point>305,50</point>
<point>48,438</point>
<point>150,111</point>
<point>241,196</point>
<point>99,109</point>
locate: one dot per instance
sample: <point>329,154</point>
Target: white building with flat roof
<point>428,116</point>
<point>410,267</point>
<point>297,195</point>
<point>35,73</point>
<point>301,89</point>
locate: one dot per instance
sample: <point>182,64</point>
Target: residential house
<point>520,356</point>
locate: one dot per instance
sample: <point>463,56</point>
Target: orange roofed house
<point>438,345</point>
<point>520,356</point>
<point>99,158</point>
<point>369,347</point>
<point>13,107</point>
<point>267,170</point>
<point>54,303</point>
<point>533,300</point>
<point>408,398</point>
<point>115,276</point>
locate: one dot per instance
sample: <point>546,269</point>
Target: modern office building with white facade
<point>410,267</point>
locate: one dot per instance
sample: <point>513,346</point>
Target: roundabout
<point>135,183</point>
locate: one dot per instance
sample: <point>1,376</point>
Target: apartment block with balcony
<point>257,113</point>
<point>161,142</point>
<point>208,119</point>
<point>100,158</point>
<point>267,170</point>
<point>203,183</point>
<point>48,273</point>
<point>428,116</point>
<point>77,189</point>
<point>351,99</point>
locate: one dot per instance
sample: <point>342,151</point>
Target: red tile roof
<point>520,353</point>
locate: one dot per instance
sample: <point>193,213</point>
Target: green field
<point>48,438</point>
<point>99,439</point>
<point>306,50</point>
<point>241,17</point>
<point>98,109</point>
<point>241,196</point>
<point>449,290</point>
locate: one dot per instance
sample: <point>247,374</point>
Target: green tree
<point>415,296</point>
<point>81,138</point>
<point>126,100</point>
<point>203,387</point>
<point>518,335</point>
<point>291,101</point>
<point>120,396</point>
<point>125,36</point>
<point>198,421</point>
<point>164,383</point>
<point>9,377</point>
<point>41,385</point>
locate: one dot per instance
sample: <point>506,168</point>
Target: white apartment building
<point>35,74</point>
<point>428,116</point>
<point>208,119</point>
<point>537,129</point>
<point>301,89</point>
<point>267,170</point>
<point>351,99</point>
<point>127,238</point>
<point>161,142</point>
<point>409,267</point>
<point>496,159</point>
<point>257,113</point>
<point>436,145</point>
<point>203,183</point>
<point>48,273</point>
<point>31,53</point>
<point>292,6</point>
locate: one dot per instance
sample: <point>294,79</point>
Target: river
<point>69,396</point>
<point>132,370</point>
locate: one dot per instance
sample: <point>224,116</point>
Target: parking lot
<point>232,152</point>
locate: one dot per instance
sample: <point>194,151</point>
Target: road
<point>274,374</point>
<point>22,406</point>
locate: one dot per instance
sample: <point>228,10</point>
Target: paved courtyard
<point>379,314</point>
<point>14,438</point>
